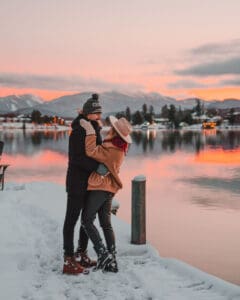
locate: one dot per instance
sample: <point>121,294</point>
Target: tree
<point>172,114</point>
<point>128,114</point>
<point>151,110</point>
<point>165,111</point>
<point>180,114</point>
<point>46,119</point>
<point>232,116</point>
<point>151,114</point>
<point>144,110</point>
<point>149,117</point>
<point>198,107</point>
<point>187,117</point>
<point>36,116</point>
<point>137,118</point>
<point>120,114</point>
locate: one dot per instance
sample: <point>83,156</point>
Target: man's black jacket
<point>80,166</point>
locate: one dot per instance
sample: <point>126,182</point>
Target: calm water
<point>193,189</point>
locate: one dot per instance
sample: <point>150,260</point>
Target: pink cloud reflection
<point>44,166</point>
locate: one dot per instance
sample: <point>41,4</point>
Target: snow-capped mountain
<point>111,102</point>
<point>13,103</point>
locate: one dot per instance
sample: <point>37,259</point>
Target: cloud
<point>186,84</point>
<point>229,66</point>
<point>218,49</point>
<point>230,82</point>
<point>60,83</point>
<point>213,59</point>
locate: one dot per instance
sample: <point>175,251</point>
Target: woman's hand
<point>87,126</point>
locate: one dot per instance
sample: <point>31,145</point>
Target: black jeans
<point>99,202</point>
<point>75,203</point>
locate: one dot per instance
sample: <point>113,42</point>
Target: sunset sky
<point>176,48</point>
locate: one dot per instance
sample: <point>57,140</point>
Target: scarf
<point>118,142</point>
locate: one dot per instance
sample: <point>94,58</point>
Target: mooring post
<point>138,210</point>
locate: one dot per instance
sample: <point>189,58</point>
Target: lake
<point>193,188</point>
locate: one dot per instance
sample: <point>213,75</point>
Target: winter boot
<point>71,267</point>
<point>84,260</point>
<point>103,258</point>
<point>112,266</point>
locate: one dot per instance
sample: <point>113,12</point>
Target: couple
<point>92,181</point>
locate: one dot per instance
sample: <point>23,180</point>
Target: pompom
<point>95,96</point>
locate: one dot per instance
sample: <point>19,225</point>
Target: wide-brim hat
<point>122,127</point>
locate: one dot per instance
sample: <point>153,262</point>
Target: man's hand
<point>87,126</point>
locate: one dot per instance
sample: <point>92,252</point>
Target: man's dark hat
<point>92,105</point>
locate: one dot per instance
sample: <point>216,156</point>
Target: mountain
<point>13,103</point>
<point>111,102</point>
<point>226,103</point>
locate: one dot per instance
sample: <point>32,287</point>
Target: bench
<point>3,168</point>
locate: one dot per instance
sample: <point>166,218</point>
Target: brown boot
<point>84,259</point>
<point>72,267</point>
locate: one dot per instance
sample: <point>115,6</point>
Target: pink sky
<point>176,48</point>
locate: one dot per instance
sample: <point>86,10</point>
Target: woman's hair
<point>114,131</point>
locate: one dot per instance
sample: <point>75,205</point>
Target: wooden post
<point>138,210</point>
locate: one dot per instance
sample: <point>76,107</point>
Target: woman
<point>102,188</point>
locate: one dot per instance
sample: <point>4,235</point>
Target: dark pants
<point>99,202</point>
<point>75,203</point>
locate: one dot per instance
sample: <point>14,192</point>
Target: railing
<point>3,168</point>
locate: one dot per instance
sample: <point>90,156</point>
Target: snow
<point>32,126</point>
<point>13,107</point>
<point>139,178</point>
<point>31,219</point>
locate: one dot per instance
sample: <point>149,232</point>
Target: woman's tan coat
<point>109,155</point>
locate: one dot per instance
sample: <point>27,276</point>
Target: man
<point>79,169</point>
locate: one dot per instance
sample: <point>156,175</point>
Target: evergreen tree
<point>165,111</point>
<point>180,114</point>
<point>187,117</point>
<point>36,116</point>
<point>198,107</point>
<point>172,114</point>
<point>46,119</point>
<point>128,114</point>
<point>144,110</point>
<point>151,110</point>
<point>137,118</point>
<point>149,118</point>
<point>232,116</point>
<point>120,115</point>
<point>151,114</point>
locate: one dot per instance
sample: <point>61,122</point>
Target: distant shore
<point>56,127</point>
<point>35,127</point>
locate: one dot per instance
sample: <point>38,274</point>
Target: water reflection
<point>145,139</point>
<point>144,142</point>
<point>171,141</point>
<point>231,185</point>
<point>28,143</point>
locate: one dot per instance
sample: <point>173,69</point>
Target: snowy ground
<point>31,218</point>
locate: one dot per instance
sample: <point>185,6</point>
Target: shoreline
<point>32,127</point>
